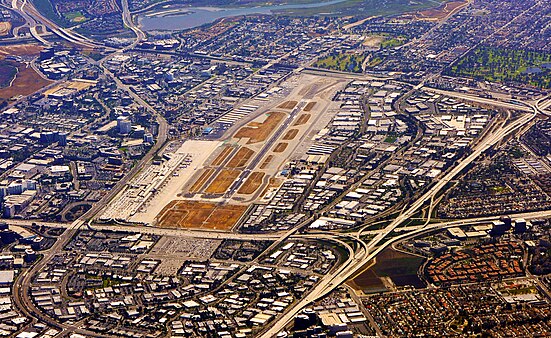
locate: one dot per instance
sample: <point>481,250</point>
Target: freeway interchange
<point>363,252</point>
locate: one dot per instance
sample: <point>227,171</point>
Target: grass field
<point>309,106</point>
<point>384,40</point>
<point>20,50</point>
<point>259,132</point>
<point>240,158</point>
<point>365,8</point>
<point>75,17</point>
<point>192,214</point>
<point>253,182</point>
<point>505,65</point>
<point>222,156</point>
<point>342,62</point>
<point>393,42</point>
<point>266,161</point>
<point>196,187</point>
<point>290,135</point>
<point>302,119</point>
<point>288,105</point>
<point>280,147</point>
<point>373,41</point>
<point>45,8</point>
<point>223,181</point>
<point>391,139</point>
<point>8,70</point>
<point>26,82</point>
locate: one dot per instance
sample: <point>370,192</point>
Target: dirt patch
<point>288,105</point>
<point>72,86</point>
<point>373,41</point>
<point>280,147</point>
<point>441,11</point>
<point>192,214</point>
<point>222,182</point>
<point>267,161</point>
<point>309,106</point>
<point>240,158</point>
<point>253,182</point>
<point>367,282</point>
<point>19,50</point>
<point>222,156</point>
<point>196,187</point>
<point>5,28</point>
<point>290,135</point>
<point>258,132</point>
<point>273,183</point>
<point>302,119</point>
<point>26,82</point>
<point>399,267</point>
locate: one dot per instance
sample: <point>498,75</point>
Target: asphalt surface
<point>265,148</point>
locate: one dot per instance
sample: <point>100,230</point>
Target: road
<point>30,22</point>
<point>376,245</point>
<point>22,285</point>
<point>34,17</point>
<point>162,136</point>
<point>162,133</point>
<point>543,104</point>
<point>128,22</point>
<point>356,259</point>
<point>481,100</point>
<point>265,148</point>
<point>353,266</point>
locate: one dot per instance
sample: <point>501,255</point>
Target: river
<point>175,19</point>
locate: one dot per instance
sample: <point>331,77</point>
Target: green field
<point>505,65</point>
<point>75,17</point>
<point>46,8</point>
<point>393,42</point>
<point>342,62</point>
<point>390,139</point>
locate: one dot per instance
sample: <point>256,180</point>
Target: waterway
<point>181,18</point>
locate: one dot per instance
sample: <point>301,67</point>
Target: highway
<point>21,287</point>
<point>127,19</point>
<point>358,260</point>
<point>162,133</point>
<point>31,23</point>
<point>33,17</point>
<point>543,104</point>
<point>21,290</point>
<point>365,252</point>
<point>376,245</point>
<point>489,140</point>
<point>162,136</point>
<point>481,100</point>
